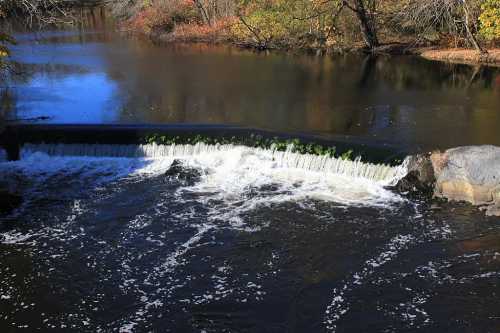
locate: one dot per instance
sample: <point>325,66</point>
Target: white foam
<point>16,238</point>
<point>173,259</point>
<point>340,305</point>
<point>39,165</point>
<point>230,175</point>
<point>234,180</point>
<point>229,172</point>
<point>282,159</point>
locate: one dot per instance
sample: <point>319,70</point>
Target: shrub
<point>163,15</point>
<point>283,23</point>
<point>219,30</point>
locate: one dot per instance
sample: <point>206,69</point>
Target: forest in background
<point>328,25</point>
<point>321,26</point>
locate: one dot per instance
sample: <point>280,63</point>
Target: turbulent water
<point>281,159</point>
<point>235,240</point>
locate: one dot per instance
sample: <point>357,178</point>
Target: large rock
<point>187,176</point>
<point>420,178</point>
<point>470,174</point>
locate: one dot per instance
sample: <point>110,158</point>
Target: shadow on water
<point>220,243</point>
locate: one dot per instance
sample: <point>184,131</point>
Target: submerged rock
<point>188,176</point>
<point>469,174</point>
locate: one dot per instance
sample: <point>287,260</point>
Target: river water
<point>94,75</point>
<point>231,240</point>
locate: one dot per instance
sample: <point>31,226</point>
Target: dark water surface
<point>229,241</point>
<point>94,75</point>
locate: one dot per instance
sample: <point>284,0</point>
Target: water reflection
<point>93,75</point>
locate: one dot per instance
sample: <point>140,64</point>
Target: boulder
<point>420,178</point>
<point>471,174</point>
<point>186,175</point>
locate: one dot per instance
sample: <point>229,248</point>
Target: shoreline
<point>461,56</point>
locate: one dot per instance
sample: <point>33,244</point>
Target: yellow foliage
<point>5,40</point>
<point>283,21</point>
<point>490,19</point>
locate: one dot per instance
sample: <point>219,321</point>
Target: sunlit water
<point>94,75</point>
<point>238,239</point>
<point>231,241</point>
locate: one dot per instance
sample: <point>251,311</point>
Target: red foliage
<point>164,16</point>
<point>219,30</point>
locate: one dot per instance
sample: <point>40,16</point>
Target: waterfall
<point>386,174</point>
<point>357,168</point>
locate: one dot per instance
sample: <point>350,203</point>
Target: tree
<point>366,20</point>
<point>36,11</point>
<point>490,19</point>
<point>470,34</point>
<point>454,17</point>
<point>203,12</point>
<point>364,10</point>
<point>33,11</point>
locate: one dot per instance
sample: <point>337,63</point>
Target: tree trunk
<point>261,43</point>
<point>470,35</point>
<point>203,12</point>
<point>366,24</point>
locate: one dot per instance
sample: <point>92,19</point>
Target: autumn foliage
<point>490,19</point>
<point>163,16</point>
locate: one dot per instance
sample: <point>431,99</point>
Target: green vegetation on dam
<point>187,187</point>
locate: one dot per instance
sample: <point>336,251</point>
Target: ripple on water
<point>124,247</point>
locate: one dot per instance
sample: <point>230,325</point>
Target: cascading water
<point>217,238</point>
<point>284,159</point>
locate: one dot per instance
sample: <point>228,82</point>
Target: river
<point>231,238</point>
<point>95,75</point>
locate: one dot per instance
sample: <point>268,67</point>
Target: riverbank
<point>463,56</point>
<point>285,27</point>
<point>220,36</point>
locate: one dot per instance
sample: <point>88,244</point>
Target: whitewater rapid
<point>227,171</point>
<point>160,236</point>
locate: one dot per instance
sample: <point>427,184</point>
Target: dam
<point>191,188</point>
